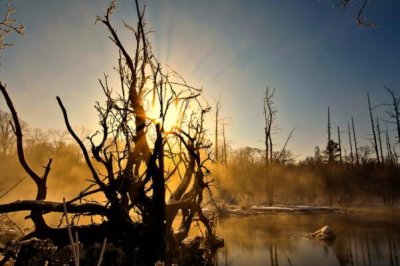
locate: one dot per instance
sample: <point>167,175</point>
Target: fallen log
<point>51,206</point>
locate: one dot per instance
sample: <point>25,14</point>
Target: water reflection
<point>362,239</point>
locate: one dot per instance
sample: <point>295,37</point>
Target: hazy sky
<point>312,54</point>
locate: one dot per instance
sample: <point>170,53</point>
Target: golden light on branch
<point>151,130</point>
<point>170,118</point>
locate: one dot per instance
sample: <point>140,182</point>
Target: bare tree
<point>340,145</point>
<point>40,181</point>
<point>375,142</point>
<point>350,144</point>
<point>329,146</point>
<point>394,114</point>
<point>133,157</point>
<point>8,26</point>
<point>380,141</point>
<point>269,116</point>
<point>355,141</point>
<point>217,120</point>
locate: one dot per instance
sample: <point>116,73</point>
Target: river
<point>362,238</point>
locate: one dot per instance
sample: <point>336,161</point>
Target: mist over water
<point>362,238</point>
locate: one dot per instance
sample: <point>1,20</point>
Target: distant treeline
<point>315,180</point>
<point>344,172</point>
<point>241,177</point>
<point>39,146</point>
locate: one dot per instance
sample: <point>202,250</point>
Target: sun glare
<point>172,118</point>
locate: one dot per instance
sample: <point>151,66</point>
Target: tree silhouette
<point>269,117</point>
<point>133,159</point>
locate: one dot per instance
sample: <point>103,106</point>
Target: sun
<point>173,115</point>
<point>172,118</point>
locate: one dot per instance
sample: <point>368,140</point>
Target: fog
<point>245,179</point>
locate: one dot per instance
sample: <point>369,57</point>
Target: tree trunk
<point>355,142</point>
<point>380,141</point>
<point>350,144</point>
<point>340,145</point>
<point>373,131</point>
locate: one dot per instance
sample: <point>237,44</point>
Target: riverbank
<point>255,209</point>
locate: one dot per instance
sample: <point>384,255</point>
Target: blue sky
<point>312,54</point>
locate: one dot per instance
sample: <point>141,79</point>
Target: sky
<point>313,54</point>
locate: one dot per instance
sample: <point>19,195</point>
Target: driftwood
<point>325,233</point>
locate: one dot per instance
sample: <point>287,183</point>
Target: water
<point>367,238</point>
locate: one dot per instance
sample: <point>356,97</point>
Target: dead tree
<point>8,26</point>
<point>355,142</point>
<point>380,141</point>
<point>217,120</point>
<point>40,181</point>
<point>329,146</point>
<point>350,144</point>
<point>340,146</point>
<point>394,114</point>
<point>133,157</point>
<point>375,142</point>
<point>269,116</point>
<point>388,147</point>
